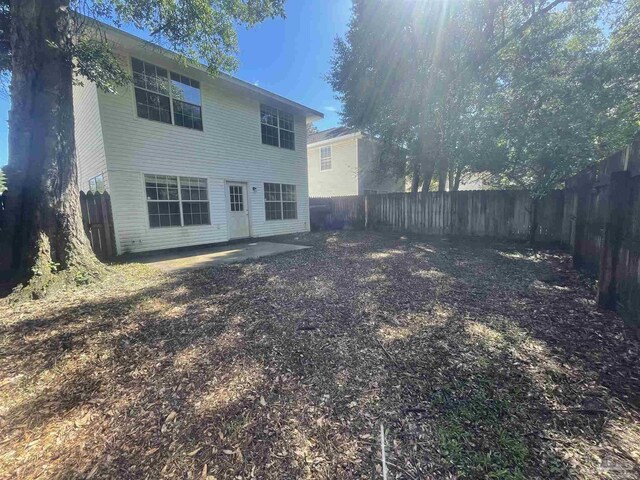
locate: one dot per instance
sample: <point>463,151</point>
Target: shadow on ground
<point>481,361</point>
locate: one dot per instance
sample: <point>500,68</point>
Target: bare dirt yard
<point>481,361</point>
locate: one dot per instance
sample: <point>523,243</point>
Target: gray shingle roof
<point>329,134</point>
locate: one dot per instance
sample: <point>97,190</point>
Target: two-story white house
<point>343,161</point>
<point>189,159</point>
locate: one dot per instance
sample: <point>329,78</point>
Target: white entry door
<point>237,210</point>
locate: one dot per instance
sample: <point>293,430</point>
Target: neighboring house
<point>343,161</point>
<point>189,159</point>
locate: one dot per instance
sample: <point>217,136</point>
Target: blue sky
<point>289,57</point>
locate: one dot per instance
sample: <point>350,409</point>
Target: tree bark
<point>456,182</point>
<point>442,177</point>
<point>43,202</point>
<point>415,179</point>
<point>427,169</point>
<point>427,161</point>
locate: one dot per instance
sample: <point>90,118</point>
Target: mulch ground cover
<point>480,360</point>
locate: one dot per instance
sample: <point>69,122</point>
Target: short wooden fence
<point>97,219</point>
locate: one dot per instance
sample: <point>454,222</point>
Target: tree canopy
<point>199,31</point>
<point>46,45</point>
<point>530,91</point>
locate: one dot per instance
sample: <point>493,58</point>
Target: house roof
<point>330,134</point>
<point>130,41</point>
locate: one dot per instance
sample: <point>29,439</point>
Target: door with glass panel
<point>237,210</point>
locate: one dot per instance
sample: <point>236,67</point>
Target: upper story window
<point>187,110</point>
<point>177,101</point>
<point>325,158</point>
<point>277,127</point>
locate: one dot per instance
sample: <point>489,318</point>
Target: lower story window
<point>177,201</point>
<point>280,201</point>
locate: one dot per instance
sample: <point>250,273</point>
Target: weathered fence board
<point>97,220</point>
<point>605,239</point>
<point>500,214</point>
<point>337,212</point>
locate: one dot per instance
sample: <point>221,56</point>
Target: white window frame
<point>324,160</point>
<point>96,184</point>
<point>278,127</point>
<point>169,94</point>
<point>281,201</point>
<point>179,201</point>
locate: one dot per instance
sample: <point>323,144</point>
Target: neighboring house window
<point>280,201</point>
<point>325,158</point>
<point>165,196</point>
<point>277,127</point>
<point>96,184</point>
<point>155,95</point>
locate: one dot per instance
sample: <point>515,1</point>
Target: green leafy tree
<point>509,86</point>
<point>44,44</point>
<point>564,101</point>
<point>410,73</point>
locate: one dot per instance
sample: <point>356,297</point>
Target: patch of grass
<point>477,436</point>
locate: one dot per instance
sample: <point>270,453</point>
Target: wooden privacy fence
<point>98,223</point>
<point>597,216</point>
<point>501,214</point>
<point>603,203</point>
<point>331,213</point>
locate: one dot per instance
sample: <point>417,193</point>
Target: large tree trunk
<point>456,181</point>
<point>43,203</point>
<point>415,178</point>
<point>427,161</point>
<point>427,168</point>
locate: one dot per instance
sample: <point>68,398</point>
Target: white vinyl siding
<point>352,169</point>
<point>229,149</point>
<point>92,161</point>
<point>342,178</point>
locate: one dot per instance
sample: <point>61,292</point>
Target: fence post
<point>366,212</point>
<point>619,204</point>
<point>582,193</point>
<point>105,211</point>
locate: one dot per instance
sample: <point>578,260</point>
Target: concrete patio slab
<point>212,256</point>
